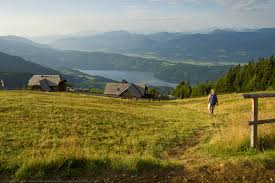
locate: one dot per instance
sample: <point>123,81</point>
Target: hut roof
<point>49,80</point>
<point>44,85</point>
<point>141,87</point>
<point>117,89</point>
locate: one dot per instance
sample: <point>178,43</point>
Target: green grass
<point>43,133</point>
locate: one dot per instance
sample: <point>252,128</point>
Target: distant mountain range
<point>48,39</point>
<point>219,46</point>
<point>49,57</point>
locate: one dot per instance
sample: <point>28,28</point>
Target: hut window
<point>118,89</point>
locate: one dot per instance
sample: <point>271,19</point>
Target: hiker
<point>2,84</point>
<point>212,101</point>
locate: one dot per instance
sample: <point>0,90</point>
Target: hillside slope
<point>16,72</point>
<point>16,64</point>
<point>81,137</point>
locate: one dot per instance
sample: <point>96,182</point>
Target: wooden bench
<point>254,119</point>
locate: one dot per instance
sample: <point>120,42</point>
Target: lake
<point>130,76</point>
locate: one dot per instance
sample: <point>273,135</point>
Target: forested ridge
<point>251,77</point>
<point>254,76</point>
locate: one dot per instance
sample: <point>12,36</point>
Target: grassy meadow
<point>44,133</point>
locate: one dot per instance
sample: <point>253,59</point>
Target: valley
<point>163,70</point>
<point>131,76</point>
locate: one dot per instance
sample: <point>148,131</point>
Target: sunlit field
<point>46,133</point>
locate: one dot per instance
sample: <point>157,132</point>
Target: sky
<point>58,17</point>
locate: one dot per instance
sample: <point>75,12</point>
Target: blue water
<point>130,76</point>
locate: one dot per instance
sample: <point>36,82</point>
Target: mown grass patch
<point>67,134</point>
<point>41,132</point>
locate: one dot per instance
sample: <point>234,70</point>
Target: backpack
<point>213,99</point>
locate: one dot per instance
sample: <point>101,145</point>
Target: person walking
<point>2,84</point>
<point>212,102</point>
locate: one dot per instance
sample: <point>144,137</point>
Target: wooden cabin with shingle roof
<point>47,83</point>
<point>126,90</point>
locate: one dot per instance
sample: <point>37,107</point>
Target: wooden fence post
<point>255,121</point>
<point>254,127</point>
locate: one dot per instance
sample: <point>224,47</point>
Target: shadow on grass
<point>270,164</point>
<point>73,167</point>
<point>266,143</point>
<point>151,165</point>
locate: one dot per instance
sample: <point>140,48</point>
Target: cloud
<point>175,2</point>
<point>246,4</point>
<point>228,4</point>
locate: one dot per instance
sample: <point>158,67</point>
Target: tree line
<point>254,76</point>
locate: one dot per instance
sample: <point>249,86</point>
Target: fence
<point>254,119</point>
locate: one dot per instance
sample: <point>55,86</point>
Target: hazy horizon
<point>39,18</point>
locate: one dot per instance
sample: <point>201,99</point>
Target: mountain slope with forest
<point>254,76</point>
<point>251,77</point>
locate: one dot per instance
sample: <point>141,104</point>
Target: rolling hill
<point>16,72</point>
<point>218,46</point>
<point>83,138</point>
<point>16,64</point>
